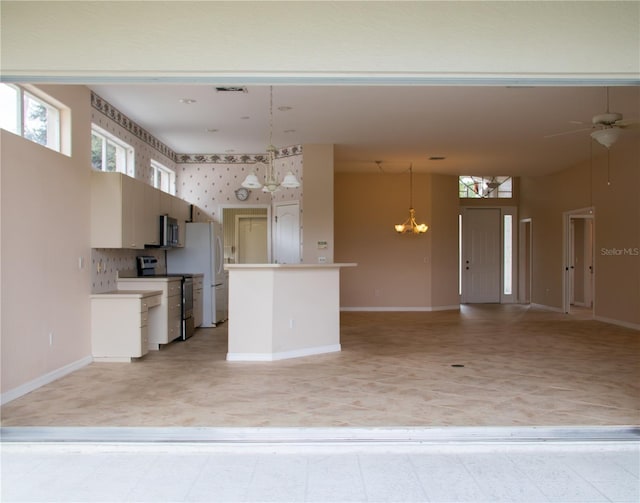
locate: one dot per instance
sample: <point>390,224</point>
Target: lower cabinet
<point>165,327</point>
<point>120,324</point>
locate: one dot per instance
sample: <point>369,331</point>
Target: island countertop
<point>290,266</point>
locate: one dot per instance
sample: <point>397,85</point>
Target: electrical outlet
<point>50,338</point>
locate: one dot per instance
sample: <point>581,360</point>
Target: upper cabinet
<point>125,212</point>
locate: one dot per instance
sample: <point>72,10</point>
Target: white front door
<point>481,255</point>
<point>287,234</point>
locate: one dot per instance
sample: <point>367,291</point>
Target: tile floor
<point>483,472</point>
<point>522,367</point>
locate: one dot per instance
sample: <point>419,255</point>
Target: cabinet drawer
<point>144,318</point>
<point>153,301</point>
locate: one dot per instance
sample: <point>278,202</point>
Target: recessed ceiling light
<point>211,130</point>
<point>244,118</point>
<point>187,101</point>
<point>285,108</point>
<point>289,130</point>
<point>437,158</point>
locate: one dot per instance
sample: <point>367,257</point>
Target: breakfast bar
<point>280,311</point>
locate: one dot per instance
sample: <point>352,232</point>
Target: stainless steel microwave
<point>169,231</point>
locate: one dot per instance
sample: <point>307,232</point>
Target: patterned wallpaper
<point>208,185</point>
<point>106,264</point>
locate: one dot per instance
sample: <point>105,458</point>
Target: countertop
<point>123,294</point>
<point>289,266</point>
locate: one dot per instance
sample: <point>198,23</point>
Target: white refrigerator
<point>203,253</point>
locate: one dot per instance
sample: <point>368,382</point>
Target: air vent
<point>231,89</point>
<point>437,158</point>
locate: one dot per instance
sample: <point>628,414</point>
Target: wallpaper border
<point>236,159</point>
<point>111,112</point>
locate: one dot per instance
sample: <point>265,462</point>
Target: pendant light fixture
<point>410,226</point>
<point>271,184</point>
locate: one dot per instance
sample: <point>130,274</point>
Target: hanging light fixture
<point>270,182</point>
<point>410,225</point>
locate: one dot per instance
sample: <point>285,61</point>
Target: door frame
<point>588,213</point>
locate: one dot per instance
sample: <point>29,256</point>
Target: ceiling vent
<point>231,89</point>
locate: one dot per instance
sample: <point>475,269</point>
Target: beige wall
<point>45,233</point>
<point>317,211</point>
<point>396,271</point>
<point>617,226</point>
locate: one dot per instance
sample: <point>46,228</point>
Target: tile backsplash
<point>106,264</point>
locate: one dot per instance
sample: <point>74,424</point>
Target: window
<point>163,178</point>
<point>109,153</point>
<point>29,116</point>
<point>507,261</point>
<point>474,187</point>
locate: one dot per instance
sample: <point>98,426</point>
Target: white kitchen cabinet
<point>167,325</point>
<point>181,211</point>
<point>151,216</point>
<point>197,299</point>
<point>120,324</point>
<point>118,217</point>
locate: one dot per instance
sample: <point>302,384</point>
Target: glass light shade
<point>290,181</point>
<point>399,227</point>
<point>251,182</point>
<point>606,137</point>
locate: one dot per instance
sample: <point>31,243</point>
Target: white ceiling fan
<point>606,128</point>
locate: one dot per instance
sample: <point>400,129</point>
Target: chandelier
<point>410,225</point>
<point>271,184</point>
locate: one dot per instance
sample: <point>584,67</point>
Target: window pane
<point>97,144</point>
<point>508,238</point>
<point>9,109</point>
<point>112,164</point>
<point>35,120</point>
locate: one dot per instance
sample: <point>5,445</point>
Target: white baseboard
<point>27,387</point>
<point>453,307</point>
<point>284,355</point>
<point>625,324</point>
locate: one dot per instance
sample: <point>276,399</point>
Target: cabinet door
<point>151,213</point>
<point>128,202</point>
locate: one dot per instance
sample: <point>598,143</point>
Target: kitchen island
<point>279,311</point>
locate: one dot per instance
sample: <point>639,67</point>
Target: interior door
<point>481,255</point>
<point>287,234</point>
<point>251,239</point>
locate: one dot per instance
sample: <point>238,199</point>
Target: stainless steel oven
<point>188,327</point>
<point>147,267</point>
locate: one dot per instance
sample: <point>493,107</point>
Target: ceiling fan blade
<point>628,124</point>
<point>568,132</point>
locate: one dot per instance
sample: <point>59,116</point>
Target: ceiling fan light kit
<point>606,137</point>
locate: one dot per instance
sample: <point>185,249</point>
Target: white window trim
<point>158,166</point>
<point>128,168</point>
<point>58,117</point>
